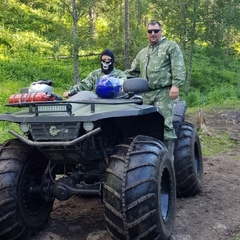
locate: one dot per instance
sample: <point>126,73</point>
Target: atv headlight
<point>88,126</point>
<point>25,127</point>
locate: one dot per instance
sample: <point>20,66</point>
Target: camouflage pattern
<point>89,83</point>
<point>163,66</point>
<point>160,98</point>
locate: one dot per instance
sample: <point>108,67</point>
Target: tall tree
<point>76,9</point>
<point>192,38</point>
<point>127,33</point>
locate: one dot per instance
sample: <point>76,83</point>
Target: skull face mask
<point>107,61</point>
<point>107,67</point>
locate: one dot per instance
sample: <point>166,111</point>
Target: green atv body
<point>112,148</point>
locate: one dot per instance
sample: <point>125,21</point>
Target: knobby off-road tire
<point>23,211</point>
<point>139,191</point>
<point>188,161</point>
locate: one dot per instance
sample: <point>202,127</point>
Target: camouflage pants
<point>160,98</point>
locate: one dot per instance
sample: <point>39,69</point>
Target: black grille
<point>54,131</point>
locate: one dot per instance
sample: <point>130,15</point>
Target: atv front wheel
<point>139,191</point>
<point>188,161</point>
<point>23,211</point>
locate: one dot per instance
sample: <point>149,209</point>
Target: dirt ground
<point>212,215</point>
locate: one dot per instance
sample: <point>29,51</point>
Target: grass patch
<point>228,104</point>
<point>212,145</point>
<point>237,237</point>
<point>5,127</point>
<point>235,158</point>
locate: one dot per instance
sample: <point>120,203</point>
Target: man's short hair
<point>153,22</point>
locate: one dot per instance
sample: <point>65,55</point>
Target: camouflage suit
<point>163,66</point>
<point>89,83</point>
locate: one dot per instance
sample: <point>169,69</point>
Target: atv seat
<point>83,95</point>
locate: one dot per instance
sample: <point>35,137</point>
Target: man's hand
<point>174,92</point>
<point>66,94</point>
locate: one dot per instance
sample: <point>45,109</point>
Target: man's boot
<point>170,147</point>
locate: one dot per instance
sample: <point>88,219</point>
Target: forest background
<point>61,40</point>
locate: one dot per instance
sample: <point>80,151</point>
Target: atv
<point>111,148</point>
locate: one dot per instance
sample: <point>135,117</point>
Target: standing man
<point>162,64</point>
<point>107,68</point>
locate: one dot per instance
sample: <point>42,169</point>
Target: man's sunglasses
<point>154,30</point>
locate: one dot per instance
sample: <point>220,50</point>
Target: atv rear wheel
<point>23,211</point>
<point>139,191</point>
<point>188,161</point>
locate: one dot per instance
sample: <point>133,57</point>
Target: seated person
<point>107,68</point>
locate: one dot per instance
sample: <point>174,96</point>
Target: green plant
<point>236,237</point>
<point>195,98</point>
<point>222,93</point>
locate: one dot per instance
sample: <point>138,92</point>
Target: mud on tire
<point>22,209</point>
<point>188,161</point>
<point>139,191</point>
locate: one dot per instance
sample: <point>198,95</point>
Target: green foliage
<point>25,71</point>
<point>33,34</point>
<point>211,70</point>
<point>218,95</point>
<point>8,88</point>
<point>236,237</point>
<point>214,79</point>
<point>195,98</point>
<point>4,128</point>
<point>221,94</point>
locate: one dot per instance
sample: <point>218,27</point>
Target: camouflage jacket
<point>89,83</point>
<point>162,65</point>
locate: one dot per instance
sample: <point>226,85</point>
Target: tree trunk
<point>75,43</point>
<point>92,21</point>
<point>127,39</point>
<point>192,42</point>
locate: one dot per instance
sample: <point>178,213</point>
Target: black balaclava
<point>107,67</point>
